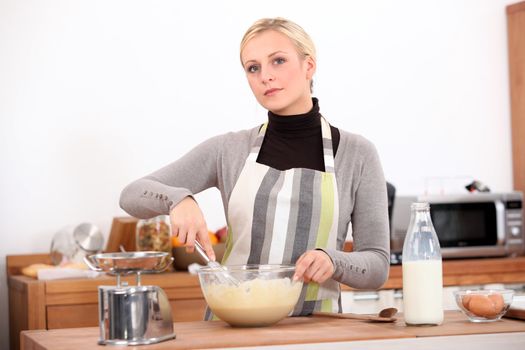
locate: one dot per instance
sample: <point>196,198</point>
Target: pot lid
<point>88,237</point>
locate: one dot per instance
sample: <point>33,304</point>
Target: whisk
<point>223,275</point>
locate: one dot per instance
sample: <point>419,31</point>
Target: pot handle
<point>91,263</point>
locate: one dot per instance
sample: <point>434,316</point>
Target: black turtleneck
<point>295,141</point>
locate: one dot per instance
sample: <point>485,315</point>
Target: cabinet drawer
<point>72,316</point>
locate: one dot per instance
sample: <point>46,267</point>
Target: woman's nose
<point>267,76</point>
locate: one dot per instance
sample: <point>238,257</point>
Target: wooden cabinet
<point>516,44</point>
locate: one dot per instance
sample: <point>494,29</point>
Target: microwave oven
<point>467,225</point>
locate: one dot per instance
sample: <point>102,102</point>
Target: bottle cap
<point>420,205</point>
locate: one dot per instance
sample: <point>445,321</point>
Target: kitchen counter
<point>296,330</point>
<point>511,341</point>
<point>71,303</point>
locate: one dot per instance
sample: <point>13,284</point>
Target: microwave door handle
<point>500,221</point>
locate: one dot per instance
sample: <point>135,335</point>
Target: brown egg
<point>482,305</point>
<point>465,300</point>
<point>498,301</point>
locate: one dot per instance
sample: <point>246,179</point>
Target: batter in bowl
<point>253,303</point>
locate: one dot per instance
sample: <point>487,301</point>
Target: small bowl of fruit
<point>182,259</point>
<point>484,305</point>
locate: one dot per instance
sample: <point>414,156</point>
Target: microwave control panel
<point>514,226</point>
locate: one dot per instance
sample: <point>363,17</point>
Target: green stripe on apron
<point>326,305</point>
<point>327,214</point>
<point>327,202</point>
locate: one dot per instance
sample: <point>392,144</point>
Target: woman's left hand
<point>314,266</point>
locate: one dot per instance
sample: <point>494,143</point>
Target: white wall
<point>94,94</point>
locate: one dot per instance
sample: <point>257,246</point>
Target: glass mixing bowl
<point>265,295</point>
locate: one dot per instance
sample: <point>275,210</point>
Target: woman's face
<point>278,75</point>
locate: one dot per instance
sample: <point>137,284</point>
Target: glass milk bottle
<point>422,270</point>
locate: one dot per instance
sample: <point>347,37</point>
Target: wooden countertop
<point>296,330</point>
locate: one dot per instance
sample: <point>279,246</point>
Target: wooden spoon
<point>385,315</point>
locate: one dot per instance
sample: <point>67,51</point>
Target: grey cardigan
<point>218,162</point>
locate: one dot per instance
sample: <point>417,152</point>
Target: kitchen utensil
<point>222,270</point>
<point>88,238</point>
<point>132,315</point>
<point>385,315</point>
<point>123,233</point>
<point>266,294</point>
<point>63,246</point>
<point>126,263</point>
<point>72,244</point>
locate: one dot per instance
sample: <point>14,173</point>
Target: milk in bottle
<point>422,270</point>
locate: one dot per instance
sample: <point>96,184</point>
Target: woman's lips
<point>271,92</point>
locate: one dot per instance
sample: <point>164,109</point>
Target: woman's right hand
<point>188,224</point>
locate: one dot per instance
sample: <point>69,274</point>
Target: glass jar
<point>422,270</point>
<point>154,234</point>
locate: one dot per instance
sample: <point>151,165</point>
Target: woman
<point>292,189</point>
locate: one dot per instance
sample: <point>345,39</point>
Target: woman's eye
<point>252,69</point>
<point>279,60</point>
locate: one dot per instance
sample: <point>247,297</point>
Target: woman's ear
<point>310,67</point>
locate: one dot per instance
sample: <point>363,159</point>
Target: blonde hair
<point>301,40</point>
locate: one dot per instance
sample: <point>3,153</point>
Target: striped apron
<point>275,216</point>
